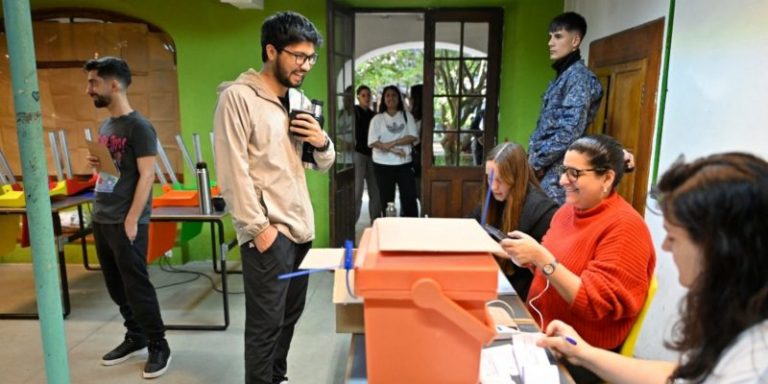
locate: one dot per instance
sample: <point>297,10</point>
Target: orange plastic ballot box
<point>424,284</point>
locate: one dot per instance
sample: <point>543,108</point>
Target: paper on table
<point>105,158</point>
<point>541,374</point>
<point>442,235</point>
<point>323,258</point>
<point>505,288</point>
<point>497,365</point>
<point>532,360</point>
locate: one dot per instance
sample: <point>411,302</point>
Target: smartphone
<point>495,233</point>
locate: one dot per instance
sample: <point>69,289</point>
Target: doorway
<point>628,65</point>
<point>460,74</point>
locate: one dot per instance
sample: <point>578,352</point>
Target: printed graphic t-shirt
<point>128,138</point>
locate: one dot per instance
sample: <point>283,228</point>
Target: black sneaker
<point>129,347</point>
<point>158,360</point>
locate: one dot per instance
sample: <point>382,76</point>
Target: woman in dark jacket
<point>517,203</point>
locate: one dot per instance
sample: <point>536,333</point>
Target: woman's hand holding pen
<point>565,342</point>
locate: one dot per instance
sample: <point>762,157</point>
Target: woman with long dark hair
<point>716,217</point>
<point>391,135</point>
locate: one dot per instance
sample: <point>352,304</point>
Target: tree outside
<point>460,86</point>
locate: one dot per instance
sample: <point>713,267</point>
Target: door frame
<point>644,41</point>
<point>495,18</point>
<point>341,186</point>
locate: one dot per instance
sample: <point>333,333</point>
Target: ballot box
<point>424,284</point>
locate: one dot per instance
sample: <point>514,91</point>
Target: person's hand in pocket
<point>266,238</point>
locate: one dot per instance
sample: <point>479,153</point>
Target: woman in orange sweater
<point>594,265</point>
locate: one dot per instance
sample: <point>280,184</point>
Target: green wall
<point>215,42</point>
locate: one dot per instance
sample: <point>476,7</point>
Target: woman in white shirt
<point>391,135</point>
<point>715,214</point>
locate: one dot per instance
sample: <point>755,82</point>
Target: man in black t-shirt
<point>363,161</point>
<point>121,216</point>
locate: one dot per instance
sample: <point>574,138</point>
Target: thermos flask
<point>203,189</point>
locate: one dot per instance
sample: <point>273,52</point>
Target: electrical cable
<point>165,266</point>
<point>530,302</point>
<point>505,305</point>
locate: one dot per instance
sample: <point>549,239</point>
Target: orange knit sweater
<point>610,248</point>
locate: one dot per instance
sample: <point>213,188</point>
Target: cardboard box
<point>349,310</point>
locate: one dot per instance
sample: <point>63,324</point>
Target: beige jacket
<point>258,163</point>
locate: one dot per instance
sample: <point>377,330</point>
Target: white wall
<point>606,17</point>
<point>717,101</point>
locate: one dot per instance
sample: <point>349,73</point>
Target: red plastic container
<point>425,314</point>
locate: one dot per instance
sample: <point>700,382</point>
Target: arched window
<point>64,40</point>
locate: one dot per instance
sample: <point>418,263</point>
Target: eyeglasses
<point>573,174</point>
<point>302,58</point>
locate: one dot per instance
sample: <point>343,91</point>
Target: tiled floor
<point>318,354</point>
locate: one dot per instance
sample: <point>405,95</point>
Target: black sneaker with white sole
<point>158,360</point>
<point>128,348</point>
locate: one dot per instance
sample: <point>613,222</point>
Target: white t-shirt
<point>386,128</point>
<point>746,361</point>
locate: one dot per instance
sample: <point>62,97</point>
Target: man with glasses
<point>261,176</point>
<point>569,104</point>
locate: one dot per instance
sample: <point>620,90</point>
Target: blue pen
<point>570,340</point>
<point>348,245</point>
<point>299,273</point>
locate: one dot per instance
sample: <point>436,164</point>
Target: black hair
<point>569,21</point>
<point>721,201</point>
<point>285,28</point>
<point>363,88</point>
<point>416,94</point>
<point>400,104</point>
<point>604,153</point>
<point>110,67</point>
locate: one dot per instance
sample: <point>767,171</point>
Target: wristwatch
<point>549,268</point>
<point>325,146</point>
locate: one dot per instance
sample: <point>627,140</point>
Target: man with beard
<point>121,216</point>
<point>261,176</point>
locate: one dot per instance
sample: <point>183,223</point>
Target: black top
<point>538,210</point>
<point>128,138</point>
<point>363,119</point>
<point>566,61</point>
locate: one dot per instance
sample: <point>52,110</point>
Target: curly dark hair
<point>285,28</point>
<point>722,202</point>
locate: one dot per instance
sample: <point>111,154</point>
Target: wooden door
<point>628,64</point>
<point>340,122</point>
<point>461,87</point>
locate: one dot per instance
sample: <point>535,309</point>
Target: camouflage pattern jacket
<point>568,106</point>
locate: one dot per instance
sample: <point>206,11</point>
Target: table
<point>215,219</point>
<point>61,239</point>
<point>356,365</point>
